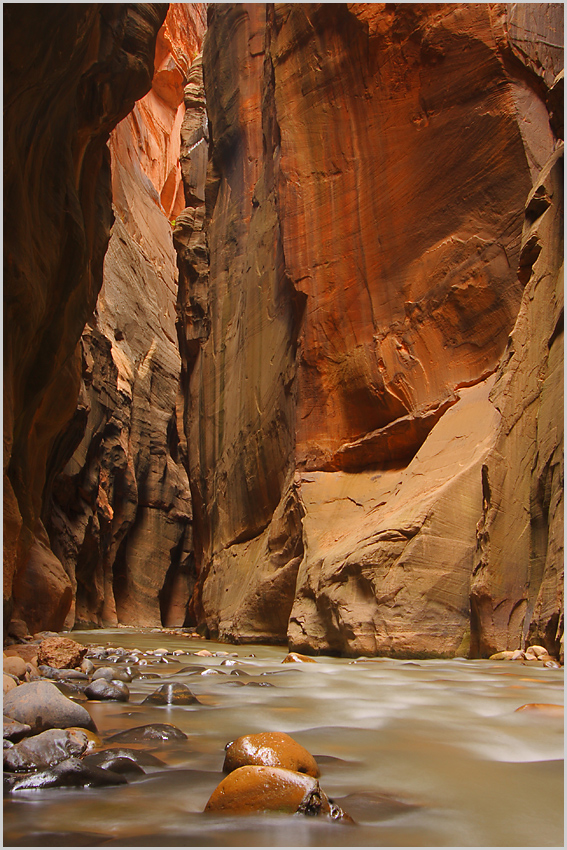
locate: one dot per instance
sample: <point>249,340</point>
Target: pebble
<point>295,656</point>
<point>204,653</point>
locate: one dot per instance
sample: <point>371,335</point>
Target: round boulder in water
<point>45,750</point>
<point>273,749</point>
<point>110,673</point>
<point>72,772</point>
<point>42,706</point>
<point>103,690</point>
<point>271,789</point>
<point>173,693</point>
<point>151,732</point>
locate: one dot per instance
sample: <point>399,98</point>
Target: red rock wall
<point>71,72</point>
<point>364,207</point>
<point>120,514</point>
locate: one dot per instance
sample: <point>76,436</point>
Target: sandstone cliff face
<point>120,513</point>
<point>363,212</point>
<point>71,72</point>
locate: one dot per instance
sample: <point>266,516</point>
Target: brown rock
<point>293,657</point>
<point>272,749</point>
<point>15,666</point>
<point>263,789</point>
<point>121,514</point>
<point>61,653</point>
<point>85,67</point>
<point>26,651</point>
<point>363,224</point>
<point>517,588</point>
<point>18,629</point>
<point>42,706</point>
<point>9,683</point>
<point>545,708</point>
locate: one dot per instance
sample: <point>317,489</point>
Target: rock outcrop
<point>120,512</point>
<point>71,73</point>
<point>368,172</point>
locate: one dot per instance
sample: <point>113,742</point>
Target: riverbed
<point>420,753</point>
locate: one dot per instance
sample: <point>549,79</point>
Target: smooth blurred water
<point>427,753</point>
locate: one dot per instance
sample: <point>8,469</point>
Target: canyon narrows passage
<point>283,373</point>
<point>338,424</point>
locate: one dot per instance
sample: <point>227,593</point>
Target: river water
<point>420,753</point>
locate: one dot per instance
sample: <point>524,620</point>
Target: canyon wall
<point>119,514</point>
<point>71,73</point>
<point>351,266</point>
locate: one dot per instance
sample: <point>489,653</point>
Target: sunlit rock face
<point>71,73</point>
<point>120,514</point>
<point>368,173</point>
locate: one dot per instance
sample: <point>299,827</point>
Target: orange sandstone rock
<point>272,749</point>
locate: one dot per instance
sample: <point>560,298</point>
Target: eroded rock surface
<point>362,220</point>
<point>71,73</point>
<point>120,516</point>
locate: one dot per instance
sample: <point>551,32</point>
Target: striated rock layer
<point>71,73</point>
<point>368,171</point>
<point>120,512</point>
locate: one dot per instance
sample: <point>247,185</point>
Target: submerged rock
<point>43,706</point>
<point>273,749</point>
<point>117,763</point>
<point>292,657</point>
<point>171,694</point>
<point>547,708</point>
<point>72,772</point>
<point>151,732</point>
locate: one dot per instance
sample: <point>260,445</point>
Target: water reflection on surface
<point>421,753</point>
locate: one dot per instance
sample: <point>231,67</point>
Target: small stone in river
<point>102,689</point>
<point>93,741</point>
<point>505,655</point>
<point>204,653</point>
<point>87,666</point>
<point>45,750</point>
<point>548,708</point>
<point>274,749</point>
<point>108,760</point>
<point>69,773</point>
<point>151,732</point>
<point>295,656</point>
<point>43,706</point>
<point>16,666</point>
<point>61,652</point>
<point>262,789</point>
<point>112,673</point>
<point>138,756</point>
<point>173,693</point>
<point>211,672</point>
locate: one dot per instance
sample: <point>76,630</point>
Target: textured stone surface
<point>517,590</point>
<point>70,74</point>
<point>61,653</point>
<point>42,706</point>
<point>363,213</point>
<point>120,517</point>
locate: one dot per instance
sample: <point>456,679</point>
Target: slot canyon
<point>283,327</point>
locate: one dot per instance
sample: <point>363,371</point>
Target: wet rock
<point>15,665</point>
<point>54,673</point>
<point>110,673</point>
<point>45,750</point>
<point>61,652</point>
<point>69,773</point>
<point>191,668</point>
<point>108,760</point>
<point>138,756</point>
<point>204,653</point>
<point>273,749</point>
<point>296,656</point>
<point>87,666</point>
<point>151,732</point>
<point>43,706</point>
<point>93,740</point>
<point>212,672</point>
<point>15,731</point>
<point>103,690</point>
<point>262,789</point>
<point>171,694</point>
<point>547,708</point>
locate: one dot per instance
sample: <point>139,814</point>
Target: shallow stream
<point>420,753</point>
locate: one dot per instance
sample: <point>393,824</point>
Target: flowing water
<point>420,753</point>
